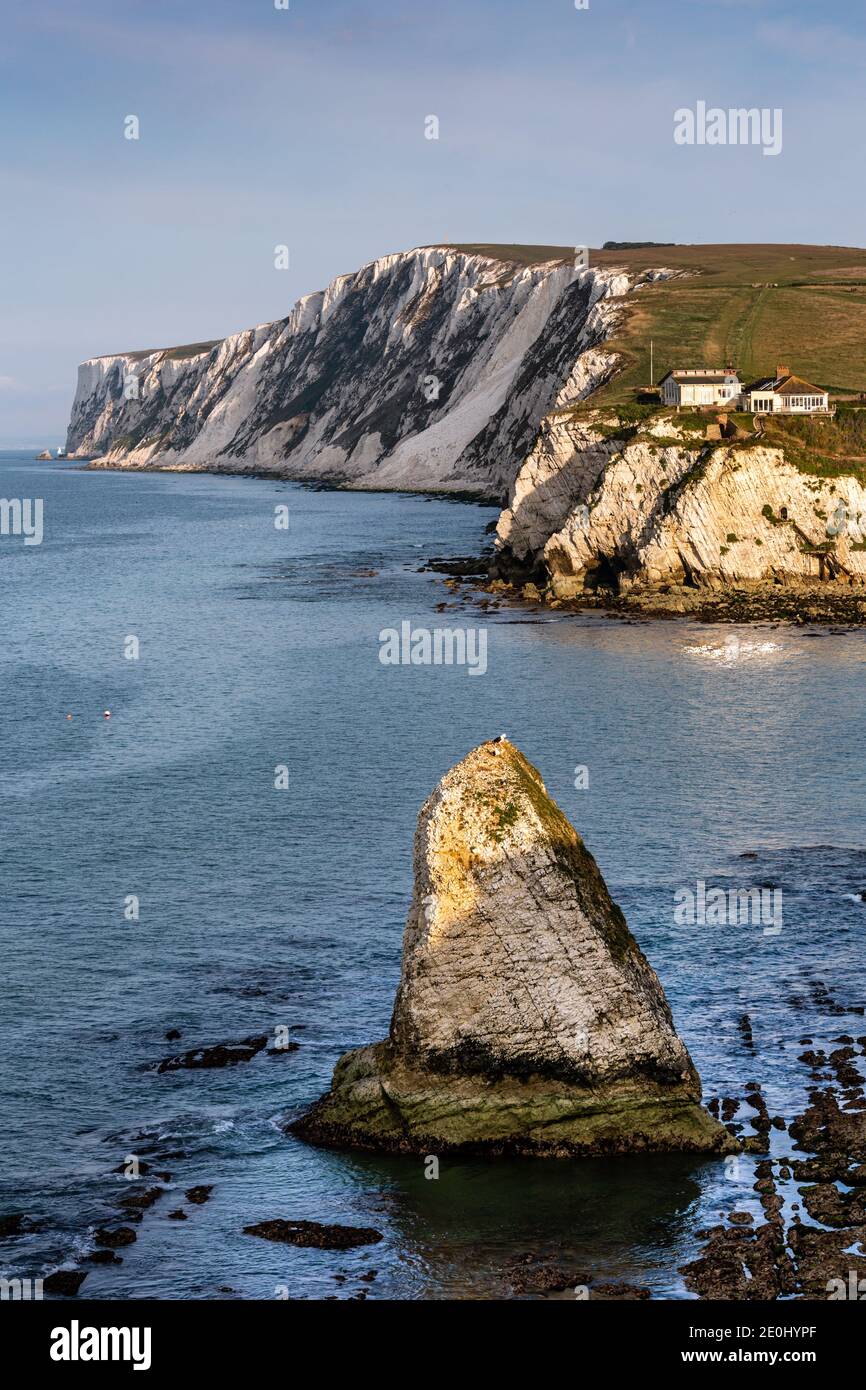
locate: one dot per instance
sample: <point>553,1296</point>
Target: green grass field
<point>753,305</point>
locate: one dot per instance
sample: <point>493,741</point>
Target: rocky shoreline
<point>824,1176</point>
<point>486,582</point>
<point>753,603</point>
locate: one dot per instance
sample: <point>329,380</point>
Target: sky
<point>306,127</point>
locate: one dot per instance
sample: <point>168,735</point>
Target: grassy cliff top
<point>753,305</point>
<point>723,264</point>
<point>174,353</point>
<point>511,254</point>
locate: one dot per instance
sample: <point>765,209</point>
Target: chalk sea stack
<point>527,1020</point>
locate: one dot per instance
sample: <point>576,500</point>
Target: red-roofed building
<point>785,394</point>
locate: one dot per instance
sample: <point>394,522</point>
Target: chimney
<point>782,371</point>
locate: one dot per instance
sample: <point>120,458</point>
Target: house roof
<point>701,375</point>
<point>786,386</point>
<point>796,386</point>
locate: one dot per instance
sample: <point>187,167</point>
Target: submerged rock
<point>527,1019</point>
<point>313,1235</point>
<point>220,1055</point>
<point>739,1263</point>
<point>112,1238</point>
<point>531,1277</point>
<point>199,1195</point>
<point>140,1201</point>
<point>620,1291</point>
<point>65,1282</point>
<point>18,1224</point>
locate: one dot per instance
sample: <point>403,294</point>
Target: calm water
<point>262,907</point>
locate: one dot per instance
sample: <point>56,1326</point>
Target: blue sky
<point>305,127</point>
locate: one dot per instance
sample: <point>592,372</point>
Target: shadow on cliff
<point>553,499</point>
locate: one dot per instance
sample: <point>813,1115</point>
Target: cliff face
<point>592,505</point>
<point>450,370</point>
<point>429,369</point>
<point>527,1018</point>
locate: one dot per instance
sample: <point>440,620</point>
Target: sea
<point>209,783</point>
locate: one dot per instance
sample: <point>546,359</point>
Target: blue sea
<point>263,907</point>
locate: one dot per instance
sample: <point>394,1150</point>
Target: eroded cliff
<point>428,369</point>
<point>599,505</point>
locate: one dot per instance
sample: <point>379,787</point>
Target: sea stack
<point>527,1020</point>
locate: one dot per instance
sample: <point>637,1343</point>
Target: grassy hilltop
<point>752,305</point>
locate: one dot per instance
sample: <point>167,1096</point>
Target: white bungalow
<point>786,395</point>
<point>698,386</point>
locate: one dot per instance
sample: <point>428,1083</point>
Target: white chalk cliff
<point>633,508</point>
<point>442,369</point>
<point>428,369</point>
